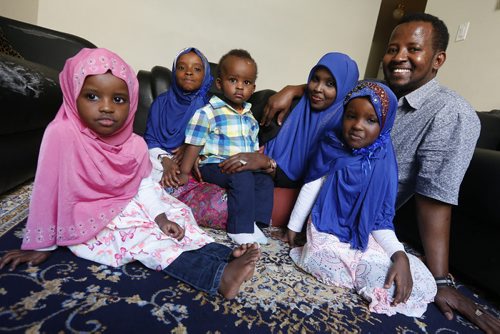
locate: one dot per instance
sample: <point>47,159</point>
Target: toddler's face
<point>103,103</point>
<point>237,81</point>
<point>189,72</point>
<point>321,89</point>
<point>360,127</point>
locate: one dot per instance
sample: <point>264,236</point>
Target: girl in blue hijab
<point>350,193</point>
<point>165,134</point>
<point>300,132</point>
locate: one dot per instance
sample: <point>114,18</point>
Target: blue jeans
<point>249,196</point>
<point>201,268</point>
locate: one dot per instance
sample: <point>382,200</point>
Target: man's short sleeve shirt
<point>434,136</point>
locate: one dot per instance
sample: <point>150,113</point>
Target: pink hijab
<point>83,180</point>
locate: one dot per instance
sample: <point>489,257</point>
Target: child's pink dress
<point>207,201</point>
<point>134,235</point>
<point>336,263</point>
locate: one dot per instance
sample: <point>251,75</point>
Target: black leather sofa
<point>475,227</point>
<point>29,92</point>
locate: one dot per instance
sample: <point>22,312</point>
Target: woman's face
<point>321,89</point>
<point>360,126</point>
<point>189,72</point>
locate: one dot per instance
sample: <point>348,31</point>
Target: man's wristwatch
<point>447,280</point>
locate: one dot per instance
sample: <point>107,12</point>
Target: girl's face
<point>189,72</point>
<point>322,89</point>
<point>360,127</point>
<point>103,103</point>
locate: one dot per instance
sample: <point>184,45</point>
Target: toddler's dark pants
<point>250,196</point>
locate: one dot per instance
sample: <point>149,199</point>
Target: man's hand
<point>434,218</point>
<point>450,300</point>
<point>18,256</point>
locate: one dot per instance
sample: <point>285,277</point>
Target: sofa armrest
<point>41,45</point>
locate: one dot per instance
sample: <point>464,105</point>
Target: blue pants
<point>201,268</point>
<point>249,196</point>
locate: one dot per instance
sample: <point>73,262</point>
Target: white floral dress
<point>133,235</point>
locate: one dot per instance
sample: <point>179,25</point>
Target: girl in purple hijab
<point>167,121</point>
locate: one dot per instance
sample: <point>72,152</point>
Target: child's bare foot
<point>237,271</point>
<point>241,249</point>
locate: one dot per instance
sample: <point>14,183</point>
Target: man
<point>434,136</point>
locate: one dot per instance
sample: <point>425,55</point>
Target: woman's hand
<point>171,171</point>
<point>169,227</point>
<point>18,256</point>
<point>244,161</point>
<point>280,104</point>
<point>400,274</point>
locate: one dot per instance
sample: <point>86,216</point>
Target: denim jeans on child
<point>250,196</point>
<point>201,268</point>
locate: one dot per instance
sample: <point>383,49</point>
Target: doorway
<point>386,22</point>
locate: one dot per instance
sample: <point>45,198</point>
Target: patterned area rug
<point>67,294</point>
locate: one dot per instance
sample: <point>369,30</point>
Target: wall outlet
<point>462,31</point>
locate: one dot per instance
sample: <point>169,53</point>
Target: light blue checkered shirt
<point>222,131</point>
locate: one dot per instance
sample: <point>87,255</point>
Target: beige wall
<point>22,10</point>
<point>286,37</point>
<point>285,40</point>
<point>473,66</point>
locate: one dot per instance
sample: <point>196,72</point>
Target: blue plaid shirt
<point>222,131</point>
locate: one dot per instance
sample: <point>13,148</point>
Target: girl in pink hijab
<point>93,192</point>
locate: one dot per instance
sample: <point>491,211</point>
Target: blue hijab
<point>359,193</point>
<point>172,110</point>
<point>300,132</point>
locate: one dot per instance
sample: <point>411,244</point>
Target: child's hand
<point>170,173</point>
<point>183,179</point>
<point>18,256</point>
<point>179,154</point>
<point>196,170</point>
<point>291,237</point>
<point>169,227</point>
<point>400,274</point>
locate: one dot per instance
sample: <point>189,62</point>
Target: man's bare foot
<point>241,249</point>
<point>237,271</point>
